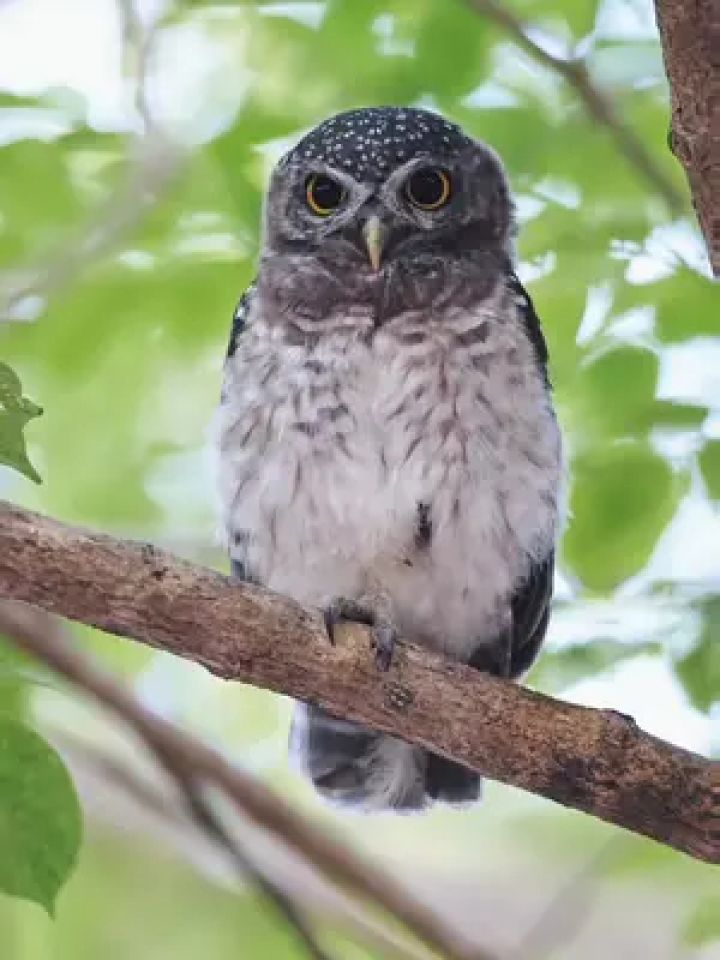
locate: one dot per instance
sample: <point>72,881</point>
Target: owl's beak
<point>374,233</point>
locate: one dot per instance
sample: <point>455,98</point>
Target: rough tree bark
<point>690,35</point>
<point>598,761</point>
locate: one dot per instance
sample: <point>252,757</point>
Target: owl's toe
<point>373,614</point>
<point>384,636</point>
<point>343,608</point>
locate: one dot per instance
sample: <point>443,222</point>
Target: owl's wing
<point>530,321</point>
<point>238,561</point>
<point>530,606</point>
<point>240,317</point>
<point>511,656</point>
<point>531,601</point>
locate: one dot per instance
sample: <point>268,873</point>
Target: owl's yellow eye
<point>428,189</point>
<point>323,194</point>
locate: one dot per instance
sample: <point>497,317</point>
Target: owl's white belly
<point>328,457</point>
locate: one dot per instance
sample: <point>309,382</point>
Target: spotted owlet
<point>388,448</point>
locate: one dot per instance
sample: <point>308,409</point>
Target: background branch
<point>156,812</point>
<point>598,761</point>
<point>37,632</point>
<point>155,160</point>
<point>690,35</point>
<point>194,762</point>
<point>202,813</point>
<point>597,103</point>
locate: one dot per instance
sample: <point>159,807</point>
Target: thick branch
<point>690,34</point>
<point>598,761</point>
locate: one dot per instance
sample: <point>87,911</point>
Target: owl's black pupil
<point>426,187</point>
<point>326,192</point>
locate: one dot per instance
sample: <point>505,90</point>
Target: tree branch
<point>597,103</point>
<point>597,761</point>
<point>690,35</point>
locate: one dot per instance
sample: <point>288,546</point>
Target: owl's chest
<point>393,456</point>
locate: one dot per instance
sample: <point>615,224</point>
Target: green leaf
<point>465,34</point>
<point>48,189</point>
<point>699,670</point>
<point>40,820</point>
<point>15,412</point>
<point>37,198</point>
<point>710,466</point>
<point>703,924</point>
<point>686,306</point>
<point>667,413</point>
<point>619,389</point>
<point>623,497</point>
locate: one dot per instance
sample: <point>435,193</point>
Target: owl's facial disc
<point>383,210</point>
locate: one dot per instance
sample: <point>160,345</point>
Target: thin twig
<point>205,818</point>
<point>255,800</point>
<point>138,40</point>
<point>598,104</point>
<point>563,915</point>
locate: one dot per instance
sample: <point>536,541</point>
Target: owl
<point>387,445</point>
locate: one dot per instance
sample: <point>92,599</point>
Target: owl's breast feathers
<point>426,457</point>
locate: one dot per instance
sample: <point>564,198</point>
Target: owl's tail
<point>352,766</point>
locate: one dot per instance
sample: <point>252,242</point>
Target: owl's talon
<point>330,617</point>
<point>384,636</point>
<point>341,608</point>
<point>384,633</point>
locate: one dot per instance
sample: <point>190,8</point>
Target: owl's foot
<point>372,609</point>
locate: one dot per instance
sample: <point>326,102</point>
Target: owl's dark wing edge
<point>531,322</point>
<point>239,320</point>
<point>238,567</point>
<point>530,603</point>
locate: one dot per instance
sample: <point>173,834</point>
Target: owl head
<point>386,209</point>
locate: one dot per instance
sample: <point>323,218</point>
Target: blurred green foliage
<point>98,919</point>
<point>703,925</point>
<point>14,686</point>
<point>125,289</point>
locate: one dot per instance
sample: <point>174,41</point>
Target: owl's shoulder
<point>241,316</point>
<point>530,320</point>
